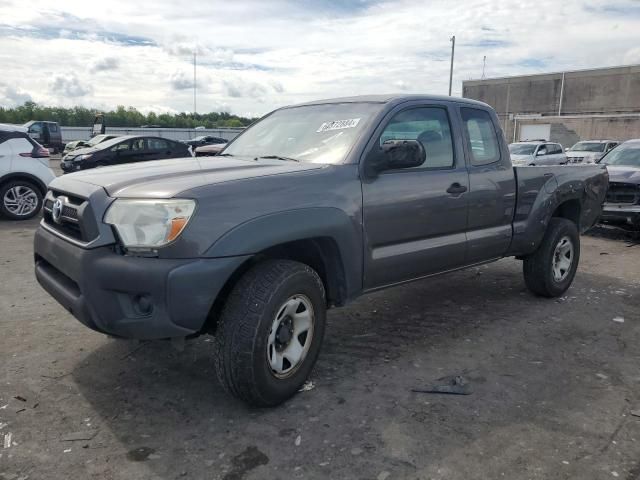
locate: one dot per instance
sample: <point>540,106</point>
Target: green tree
<point>120,117</point>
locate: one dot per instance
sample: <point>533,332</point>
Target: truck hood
<point>167,178</point>
<point>624,174</point>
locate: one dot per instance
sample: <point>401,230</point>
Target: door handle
<point>456,189</point>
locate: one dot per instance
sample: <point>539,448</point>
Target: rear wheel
<point>270,332</point>
<point>20,200</point>
<point>550,270</point>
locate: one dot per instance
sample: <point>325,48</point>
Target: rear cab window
<point>482,138</point>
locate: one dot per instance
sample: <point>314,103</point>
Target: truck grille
<point>75,219</point>
<point>623,193</point>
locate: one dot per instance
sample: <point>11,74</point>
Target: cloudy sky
<point>255,55</point>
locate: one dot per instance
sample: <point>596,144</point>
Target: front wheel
<point>550,270</point>
<point>270,331</point>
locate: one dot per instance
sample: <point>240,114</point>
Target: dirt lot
<point>555,384</point>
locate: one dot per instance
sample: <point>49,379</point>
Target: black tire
<point>243,332</point>
<point>6,187</point>
<point>538,268</point>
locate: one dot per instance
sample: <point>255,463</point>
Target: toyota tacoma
<point>309,208</point>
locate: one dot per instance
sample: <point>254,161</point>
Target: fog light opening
<point>142,304</point>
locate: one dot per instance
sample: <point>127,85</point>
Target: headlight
<point>86,156</point>
<point>149,223</point>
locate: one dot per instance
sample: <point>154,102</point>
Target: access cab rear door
<point>415,218</point>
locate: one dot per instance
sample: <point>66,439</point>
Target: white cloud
<point>11,96</point>
<point>254,56</point>
<point>69,86</point>
<point>181,81</point>
<point>105,64</point>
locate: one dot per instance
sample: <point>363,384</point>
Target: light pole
<point>194,84</point>
<point>453,49</point>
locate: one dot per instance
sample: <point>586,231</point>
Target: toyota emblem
<point>56,210</point>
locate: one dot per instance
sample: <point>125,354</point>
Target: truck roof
<point>6,127</point>
<point>392,98</point>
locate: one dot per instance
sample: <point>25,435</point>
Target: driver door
<point>415,219</point>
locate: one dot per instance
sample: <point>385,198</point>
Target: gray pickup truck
<point>309,208</point>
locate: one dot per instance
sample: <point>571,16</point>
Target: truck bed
<point>540,190</point>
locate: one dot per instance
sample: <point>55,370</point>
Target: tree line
<point>120,117</point>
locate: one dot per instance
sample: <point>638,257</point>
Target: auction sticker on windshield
<point>338,125</point>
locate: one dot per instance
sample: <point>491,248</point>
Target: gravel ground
<point>555,385</point>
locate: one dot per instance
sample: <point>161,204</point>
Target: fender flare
<point>529,233</point>
<point>264,232</point>
<point>26,176</point>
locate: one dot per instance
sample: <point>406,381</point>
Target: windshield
<point>96,140</point>
<point>109,143</point>
<point>312,133</point>
<point>588,147</point>
<point>627,155</point>
<point>199,139</point>
<point>522,149</point>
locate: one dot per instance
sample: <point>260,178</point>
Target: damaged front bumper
<point>130,297</point>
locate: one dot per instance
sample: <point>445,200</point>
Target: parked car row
<point>542,152</point>
<point>124,149</point>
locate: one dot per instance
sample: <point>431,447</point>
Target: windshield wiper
<point>278,157</point>
<point>225,155</point>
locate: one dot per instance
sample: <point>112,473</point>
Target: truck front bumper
<point>130,297</point>
<point>621,213</point>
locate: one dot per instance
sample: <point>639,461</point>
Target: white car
<point>536,152</point>
<point>590,151</point>
<point>24,173</point>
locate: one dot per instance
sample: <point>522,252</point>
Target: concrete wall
<point>571,129</point>
<point>607,91</point>
<point>84,133</point>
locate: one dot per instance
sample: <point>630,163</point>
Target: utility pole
<point>484,64</point>
<point>194,85</point>
<point>453,49</point>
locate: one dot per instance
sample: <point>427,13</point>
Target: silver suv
<point>590,151</point>
<point>537,152</point>
<point>24,173</point>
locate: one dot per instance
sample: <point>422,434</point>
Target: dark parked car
<point>205,140</point>
<point>47,134</point>
<point>309,208</point>
<point>125,149</point>
<point>622,206</point>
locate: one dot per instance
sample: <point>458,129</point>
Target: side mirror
<point>397,154</point>
<point>566,149</point>
<point>541,152</point>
